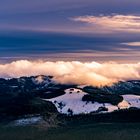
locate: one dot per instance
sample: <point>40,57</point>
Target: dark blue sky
<point>100,30</point>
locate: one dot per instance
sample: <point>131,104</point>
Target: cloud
<point>135,44</point>
<point>128,23</point>
<point>75,72</point>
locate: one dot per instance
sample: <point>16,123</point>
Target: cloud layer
<point>92,73</point>
<point>136,44</point>
<point>128,23</point>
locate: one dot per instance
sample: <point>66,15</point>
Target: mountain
<point>43,95</point>
<point>124,87</point>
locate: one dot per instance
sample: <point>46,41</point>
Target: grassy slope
<point>99,131</point>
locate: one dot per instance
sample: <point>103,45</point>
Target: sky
<point>70,30</point>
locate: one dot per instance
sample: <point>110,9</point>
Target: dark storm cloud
<point>35,41</point>
<point>26,42</point>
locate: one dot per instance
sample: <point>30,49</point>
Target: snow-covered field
<point>71,103</point>
<point>133,100</point>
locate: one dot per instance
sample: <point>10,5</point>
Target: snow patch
<point>123,105</point>
<point>111,107</point>
<point>133,100</point>
<point>71,103</point>
<point>27,121</point>
<point>42,80</point>
<point>39,79</point>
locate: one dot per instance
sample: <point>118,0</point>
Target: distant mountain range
<point>42,94</point>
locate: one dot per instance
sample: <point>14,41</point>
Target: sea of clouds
<point>75,72</point>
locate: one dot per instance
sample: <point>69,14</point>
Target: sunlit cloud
<point>135,44</point>
<point>128,23</point>
<point>74,72</point>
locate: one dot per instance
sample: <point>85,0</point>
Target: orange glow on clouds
<point>75,72</point>
<point>128,23</point>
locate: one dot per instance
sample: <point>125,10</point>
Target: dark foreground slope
<point>94,131</point>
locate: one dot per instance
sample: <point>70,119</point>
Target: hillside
<point>42,95</point>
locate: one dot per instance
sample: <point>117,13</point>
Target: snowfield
<point>71,103</point>
<point>133,100</point>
